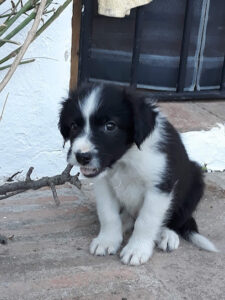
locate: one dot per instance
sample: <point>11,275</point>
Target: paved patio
<point>48,258</point>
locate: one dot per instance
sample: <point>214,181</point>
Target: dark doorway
<point>170,47</point>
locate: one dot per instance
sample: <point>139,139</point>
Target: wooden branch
<point>26,44</point>
<point>10,179</point>
<point>54,193</point>
<point>29,173</point>
<point>11,194</point>
<point>11,189</point>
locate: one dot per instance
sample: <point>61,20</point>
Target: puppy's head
<point>102,123</point>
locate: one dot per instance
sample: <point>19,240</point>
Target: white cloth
<point>118,8</point>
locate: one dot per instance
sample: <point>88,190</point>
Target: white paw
<point>105,244</point>
<point>168,240</point>
<point>136,252</point>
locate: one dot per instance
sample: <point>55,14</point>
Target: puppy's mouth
<point>90,172</point>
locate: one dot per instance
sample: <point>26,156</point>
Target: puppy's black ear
<point>65,114</point>
<point>63,123</point>
<point>144,116</point>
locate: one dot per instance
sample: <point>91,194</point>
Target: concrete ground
<point>189,116</point>
<point>47,256</point>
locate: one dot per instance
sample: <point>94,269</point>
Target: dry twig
<point>10,179</point>
<point>26,44</point>
<point>29,173</point>
<point>54,193</point>
<point>12,189</point>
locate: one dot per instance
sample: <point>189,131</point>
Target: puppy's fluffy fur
<point>143,178</point>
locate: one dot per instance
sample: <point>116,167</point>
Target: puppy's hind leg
<point>167,239</point>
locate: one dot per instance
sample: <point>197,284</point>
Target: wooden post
<point>76,20</point>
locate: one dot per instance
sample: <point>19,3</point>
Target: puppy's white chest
<point>128,188</point>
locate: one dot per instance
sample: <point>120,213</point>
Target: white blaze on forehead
<point>88,106</point>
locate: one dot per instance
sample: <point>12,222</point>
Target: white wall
<point>28,131</point>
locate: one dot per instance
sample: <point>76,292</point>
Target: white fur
<point>140,246</point>
<point>88,106</point>
<point>110,235</point>
<point>167,239</point>
<point>131,185</point>
<point>202,242</point>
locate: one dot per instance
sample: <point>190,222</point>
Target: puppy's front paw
<point>105,244</point>
<point>168,240</point>
<point>136,252</point>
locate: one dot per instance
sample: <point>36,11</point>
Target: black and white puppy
<point>143,178</point>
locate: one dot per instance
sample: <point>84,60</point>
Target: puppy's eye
<point>110,126</point>
<point>74,126</point>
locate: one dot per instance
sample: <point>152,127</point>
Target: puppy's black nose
<point>83,158</point>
